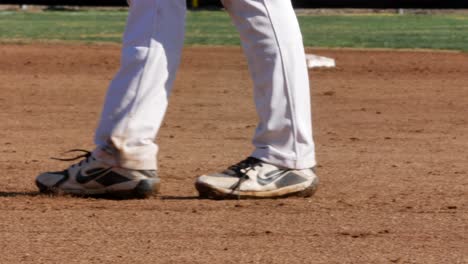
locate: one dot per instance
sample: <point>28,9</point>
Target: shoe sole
<point>144,189</point>
<point>209,192</point>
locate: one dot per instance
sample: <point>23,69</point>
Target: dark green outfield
<point>214,28</point>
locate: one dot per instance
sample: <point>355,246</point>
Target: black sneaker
<point>253,178</point>
<point>91,177</point>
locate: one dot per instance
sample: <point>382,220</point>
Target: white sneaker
<point>91,177</point>
<point>253,178</point>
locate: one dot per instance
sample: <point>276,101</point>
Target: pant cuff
<point>267,155</point>
<point>132,164</point>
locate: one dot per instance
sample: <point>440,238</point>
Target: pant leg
<point>137,98</point>
<point>272,42</point>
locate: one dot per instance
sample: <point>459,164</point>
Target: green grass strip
<point>215,28</point>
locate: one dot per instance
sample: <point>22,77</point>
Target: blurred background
<point>394,24</point>
<point>297,3</point>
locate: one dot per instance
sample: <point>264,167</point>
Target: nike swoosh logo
<point>272,176</point>
<point>91,175</point>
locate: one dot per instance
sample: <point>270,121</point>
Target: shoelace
<point>86,156</point>
<point>241,169</point>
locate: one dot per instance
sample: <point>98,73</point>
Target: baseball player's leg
<point>125,158</point>
<point>272,42</point>
<point>138,96</point>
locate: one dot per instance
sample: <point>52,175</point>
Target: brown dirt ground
<point>392,139</point>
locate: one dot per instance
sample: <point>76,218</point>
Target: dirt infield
<point>392,140</point>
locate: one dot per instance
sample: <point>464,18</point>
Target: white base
<point>314,61</point>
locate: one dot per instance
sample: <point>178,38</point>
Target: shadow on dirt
<point>178,198</point>
<point>19,194</point>
<point>103,197</point>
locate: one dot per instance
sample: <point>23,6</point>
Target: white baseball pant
<point>153,40</point>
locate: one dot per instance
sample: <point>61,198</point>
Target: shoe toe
<point>47,181</point>
<point>218,180</point>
